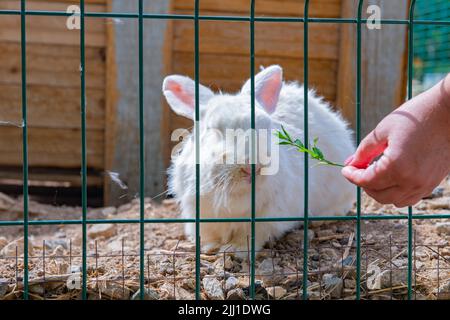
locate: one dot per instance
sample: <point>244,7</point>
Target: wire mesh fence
<point>303,271</point>
<point>112,275</point>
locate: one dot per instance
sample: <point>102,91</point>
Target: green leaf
<point>285,133</point>
<point>280,135</point>
<point>315,141</point>
<point>299,143</point>
<point>318,152</point>
<point>313,151</point>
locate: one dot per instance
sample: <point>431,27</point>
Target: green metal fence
<point>432,48</point>
<point>142,221</point>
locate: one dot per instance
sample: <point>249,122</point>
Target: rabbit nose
<point>248,169</point>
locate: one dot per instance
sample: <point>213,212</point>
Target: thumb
<point>370,147</point>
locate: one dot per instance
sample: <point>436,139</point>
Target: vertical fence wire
<point>410,77</point>
<point>197,148</point>
<point>253,148</point>
<point>306,159</point>
<point>23,43</point>
<point>83,150</point>
<point>358,140</point>
<point>141,154</point>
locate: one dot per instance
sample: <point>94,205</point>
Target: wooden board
<point>59,148</point>
<point>53,87</point>
<point>50,67</point>
<point>229,72</point>
<point>47,178</point>
<point>271,39</point>
<point>41,29</point>
<point>328,8</point>
<point>384,59</point>
<point>52,107</point>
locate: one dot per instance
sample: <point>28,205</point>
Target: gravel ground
<point>113,257</point>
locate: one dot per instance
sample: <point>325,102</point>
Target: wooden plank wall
<point>53,72</point>
<point>384,61</point>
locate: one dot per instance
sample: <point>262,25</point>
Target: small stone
<point>109,211</point>
<point>188,284</point>
<point>260,290</point>
<point>10,249</point>
<point>213,288</point>
<point>231,283</point>
<point>37,289</point>
<point>236,294</point>
<point>325,233</point>
<point>4,286</point>
<point>219,264</point>
<point>388,279</point>
<point>350,283</point>
<point>102,230</point>
<point>53,243</point>
<point>267,267</point>
<point>398,226</point>
<point>443,227</point>
<point>444,291</point>
<point>340,229</point>
<point>171,292</point>
<point>149,294</point>
<point>113,290</point>
<point>75,269</point>
<point>183,294</point>
<point>334,284</point>
<point>439,203</point>
<point>348,261</point>
<point>437,193</point>
<point>336,244</point>
<point>276,292</point>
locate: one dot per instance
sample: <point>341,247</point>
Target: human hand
<point>414,144</point>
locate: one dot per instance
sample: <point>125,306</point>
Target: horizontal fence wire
<point>196,17</point>
<point>416,216</point>
<point>218,17</point>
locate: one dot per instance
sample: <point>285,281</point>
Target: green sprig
<point>313,151</point>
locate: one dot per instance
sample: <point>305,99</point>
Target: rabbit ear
<point>180,94</point>
<point>267,87</point>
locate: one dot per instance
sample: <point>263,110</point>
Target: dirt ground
<point>113,256</point>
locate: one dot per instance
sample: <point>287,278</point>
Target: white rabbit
<point>225,189</point>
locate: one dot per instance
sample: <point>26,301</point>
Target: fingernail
<point>349,159</point>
